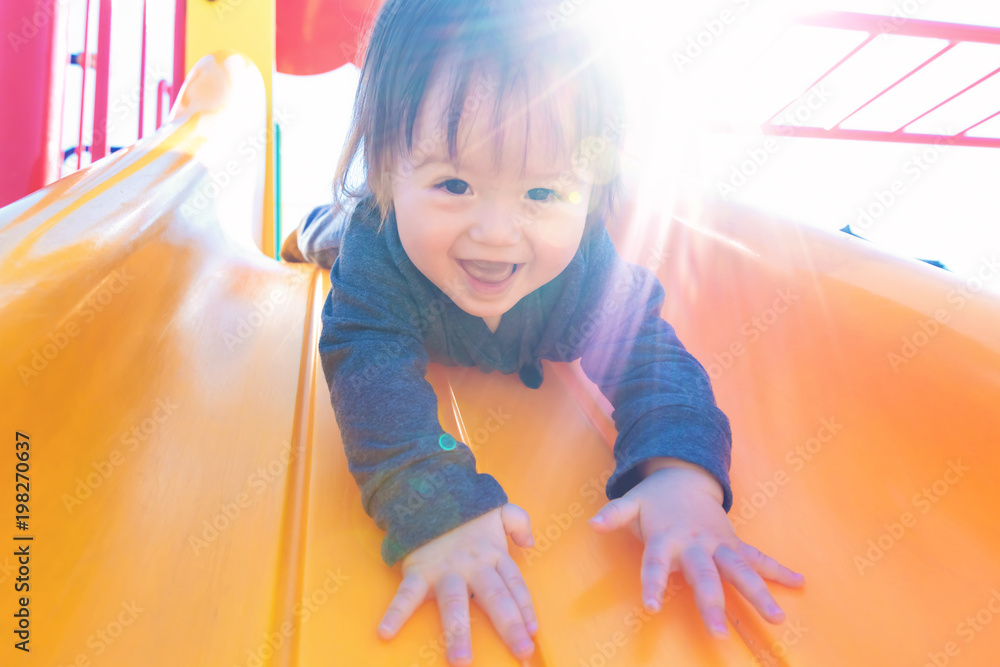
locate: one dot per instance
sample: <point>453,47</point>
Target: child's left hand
<point>677,511</point>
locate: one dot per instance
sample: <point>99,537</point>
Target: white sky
<point>949,206</point>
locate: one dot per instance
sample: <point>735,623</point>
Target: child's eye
<point>541,194</point>
<point>453,184</point>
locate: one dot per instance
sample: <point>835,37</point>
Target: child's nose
<point>497,225</point>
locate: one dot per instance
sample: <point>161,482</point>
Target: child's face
<point>487,239</point>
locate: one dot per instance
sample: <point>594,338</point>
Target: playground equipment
<point>190,503</point>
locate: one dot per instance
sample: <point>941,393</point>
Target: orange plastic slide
<point>182,495</point>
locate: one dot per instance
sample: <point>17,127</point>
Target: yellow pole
<point>246,26</point>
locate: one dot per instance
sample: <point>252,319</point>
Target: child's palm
<point>472,557</point>
<point>685,529</point>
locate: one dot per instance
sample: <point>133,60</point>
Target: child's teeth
<point>489,271</point>
<point>491,266</point>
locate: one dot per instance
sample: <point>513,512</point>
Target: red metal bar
<point>825,74</point>
<point>85,65</point>
<point>913,71</point>
<point>892,25</point>
<point>161,87</point>
<point>180,39</point>
<point>972,127</point>
<point>955,33</point>
<point>99,144</point>
<point>63,60</point>
<point>874,135</point>
<point>941,104</point>
<point>32,74</point>
<point>142,71</point>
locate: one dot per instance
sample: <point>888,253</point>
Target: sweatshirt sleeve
<point>416,482</point>
<point>662,396</point>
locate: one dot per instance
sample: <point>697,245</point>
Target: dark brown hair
<point>537,47</point>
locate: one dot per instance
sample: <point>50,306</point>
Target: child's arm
<point>319,235</point>
<point>671,483</point>
<point>374,361</point>
<point>419,485</point>
<point>663,400</point>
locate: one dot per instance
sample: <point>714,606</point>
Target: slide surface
<point>190,503</point>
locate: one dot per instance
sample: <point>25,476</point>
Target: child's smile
<point>487,239</point>
<point>489,277</point>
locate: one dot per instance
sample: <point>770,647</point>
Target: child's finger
<point>453,605</point>
<point>517,524</point>
<point>700,571</point>
<point>411,593</point>
<point>617,513</point>
<point>495,599</point>
<point>511,576</point>
<point>768,567</point>
<point>737,571</point>
<point>656,562</point>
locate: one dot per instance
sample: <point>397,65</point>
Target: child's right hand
<point>473,556</point>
